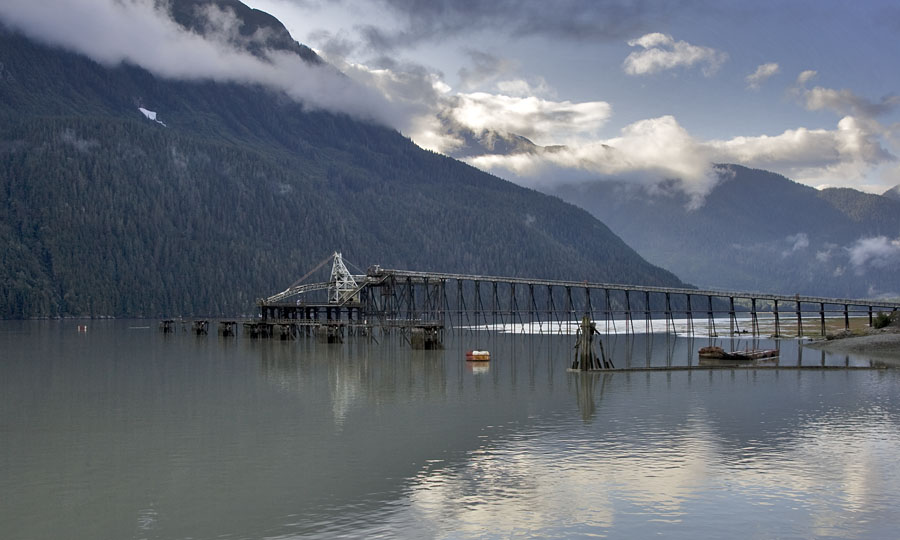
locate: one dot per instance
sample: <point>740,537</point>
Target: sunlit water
<point>125,433</point>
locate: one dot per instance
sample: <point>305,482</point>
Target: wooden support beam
<point>777,321</point>
<point>822,317</point>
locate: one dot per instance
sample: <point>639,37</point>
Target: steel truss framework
<point>402,298</point>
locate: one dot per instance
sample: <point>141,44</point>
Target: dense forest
<point>758,231</point>
<point>236,192</point>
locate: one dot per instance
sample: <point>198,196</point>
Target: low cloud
<point>879,252</point>
<point>434,115</point>
<point>813,156</point>
<point>805,76</point>
<point>661,52</point>
<point>845,102</point>
<point>649,152</point>
<point>762,74</point>
<point>418,102</point>
<point>825,254</point>
<point>416,96</point>
<point>142,33</point>
<point>542,121</point>
<point>659,149</point>
<point>796,242</point>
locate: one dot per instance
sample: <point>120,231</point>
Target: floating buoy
<point>478,356</point>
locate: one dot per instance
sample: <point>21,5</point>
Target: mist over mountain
<point>250,29</point>
<point>757,231</point>
<point>130,193</point>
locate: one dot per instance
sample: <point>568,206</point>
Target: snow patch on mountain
<point>151,115</point>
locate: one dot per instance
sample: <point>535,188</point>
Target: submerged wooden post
<point>846,317</point>
<point>427,337</point>
<point>227,328</point>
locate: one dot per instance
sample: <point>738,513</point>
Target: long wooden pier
<point>428,302</point>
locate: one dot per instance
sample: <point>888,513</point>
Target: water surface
<point>122,432</point>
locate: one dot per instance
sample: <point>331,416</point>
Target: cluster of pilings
<point>586,358</point>
<point>199,327</point>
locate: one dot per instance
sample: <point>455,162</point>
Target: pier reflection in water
<point>125,433</point>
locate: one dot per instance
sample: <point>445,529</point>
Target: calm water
<point>124,433</point>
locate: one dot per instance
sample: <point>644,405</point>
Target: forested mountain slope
<point>758,231</point>
<point>236,192</point>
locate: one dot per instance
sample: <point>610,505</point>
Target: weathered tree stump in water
<point>585,357</point>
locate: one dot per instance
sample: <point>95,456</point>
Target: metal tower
<point>341,285</point>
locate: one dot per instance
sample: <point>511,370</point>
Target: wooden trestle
<point>426,303</point>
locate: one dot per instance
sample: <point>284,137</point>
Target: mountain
<point>490,142</point>
<point>758,231</point>
<point>258,31</point>
<point>127,194</point>
<point>893,193</point>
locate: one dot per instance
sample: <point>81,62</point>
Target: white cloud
<point>814,156</point>
<point>417,95</point>
<point>433,112</point>
<point>661,51</point>
<point>845,102</point>
<point>648,151</point>
<point>797,242</point>
<point>658,149</point>
<point>806,76</point>
<point>419,103</point>
<point>541,120</point>
<point>824,255</point>
<point>762,73</point>
<point>876,252</point>
<point>141,32</point>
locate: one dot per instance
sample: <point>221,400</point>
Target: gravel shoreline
<point>884,343</point>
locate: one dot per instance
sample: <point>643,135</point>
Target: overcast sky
<point>636,88</point>
<point>633,89</point>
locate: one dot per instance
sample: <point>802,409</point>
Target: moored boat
<point>478,356</point>
<point>719,353</point>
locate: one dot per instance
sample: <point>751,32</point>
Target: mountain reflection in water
<point>122,433</point>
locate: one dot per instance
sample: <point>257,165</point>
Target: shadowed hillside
<point>235,192</point>
<point>758,231</point>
